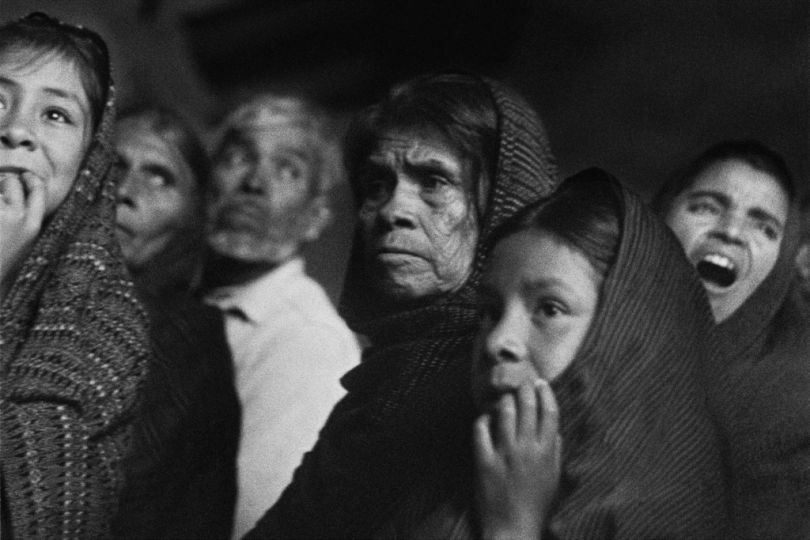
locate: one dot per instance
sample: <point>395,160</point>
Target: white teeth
<point>719,260</point>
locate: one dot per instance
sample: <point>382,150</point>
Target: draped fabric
<point>74,350</point>
<point>408,401</point>
<point>181,473</point>
<point>641,455</point>
<point>760,391</point>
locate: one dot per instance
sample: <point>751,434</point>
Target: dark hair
<point>457,106</point>
<point>39,35</point>
<point>751,152</point>
<point>584,212</point>
<point>171,126</point>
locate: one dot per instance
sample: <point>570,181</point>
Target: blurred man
<point>272,167</point>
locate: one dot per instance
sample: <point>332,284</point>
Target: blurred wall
<point>637,86</point>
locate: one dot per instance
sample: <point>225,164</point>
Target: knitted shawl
<point>74,350</point>
<point>408,400</point>
<point>760,391</point>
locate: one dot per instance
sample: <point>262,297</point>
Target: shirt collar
<point>256,299</point>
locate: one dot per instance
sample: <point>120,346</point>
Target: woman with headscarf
<point>436,167</point>
<point>74,342</point>
<point>572,304</point>
<point>735,209</point>
<point>181,473</point>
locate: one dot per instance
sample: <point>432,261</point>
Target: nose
<point>506,341</point>
<point>252,180</point>
<point>127,192</point>
<point>729,228</point>
<point>16,133</point>
<point>399,210</point>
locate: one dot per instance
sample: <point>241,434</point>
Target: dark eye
<point>377,185</point>
<point>768,230</point>
<point>58,115</point>
<point>289,170</point>
<point>703,208</point>
<point>432,182</point>
<point>548,309</point>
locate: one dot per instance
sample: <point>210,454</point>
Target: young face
<point>418,216</point>
<point>261,206</point>
<point>158,197</point>
<point>45,122</point>
<point>539,297</point>
<point>730,223</point>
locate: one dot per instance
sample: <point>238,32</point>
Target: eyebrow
<point>716,195</point>
<point>56,92</point>
<point>756,212</point>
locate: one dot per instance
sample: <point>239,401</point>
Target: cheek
<point>66,168</point>
<point>166,213</point>
<point>766,258</point>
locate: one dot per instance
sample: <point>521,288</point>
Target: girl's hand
<point>518,462</point>
<point>22,211</point>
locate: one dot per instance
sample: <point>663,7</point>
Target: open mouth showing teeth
<point>717,269</point>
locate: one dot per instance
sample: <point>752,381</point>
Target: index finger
<point>550,424</point>
<point>36,199</point>
<point>11,188</point>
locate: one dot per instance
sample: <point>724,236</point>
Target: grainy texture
<point>408,400</point>
<point>73,351</point>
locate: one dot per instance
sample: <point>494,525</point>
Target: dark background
<point>635,86</point>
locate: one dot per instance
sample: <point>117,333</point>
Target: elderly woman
<point>435,166</point>
<point>74,345</point>
<point>181,474</point>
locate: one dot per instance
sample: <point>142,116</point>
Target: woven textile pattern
<point>74,350</point>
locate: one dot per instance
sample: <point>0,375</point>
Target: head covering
<point>73,351</point>
<point>641,458</point>
<point>760,391</point>
<point>408,400</point>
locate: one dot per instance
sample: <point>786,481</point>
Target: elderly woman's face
<point>45,123</point>
<point>158,198</point>
<point>418,216</point>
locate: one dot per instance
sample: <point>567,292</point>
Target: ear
<point>318,217</point>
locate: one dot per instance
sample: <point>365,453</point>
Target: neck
<point>222,271</point>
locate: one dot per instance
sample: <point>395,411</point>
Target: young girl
<point>73,342</point>
<point>589,295</point>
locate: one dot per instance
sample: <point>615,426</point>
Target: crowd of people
<point>514,355</point>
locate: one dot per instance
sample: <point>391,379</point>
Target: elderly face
<point>261,207</point>
<point>539,297</point>
<point>730,223</point>
<point>158,197</point>
<point>45,123</point>
<point>418,216</point>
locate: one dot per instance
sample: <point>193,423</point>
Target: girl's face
<point>539,297</point>
<point>158,197</point>
<point>45,122</point>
